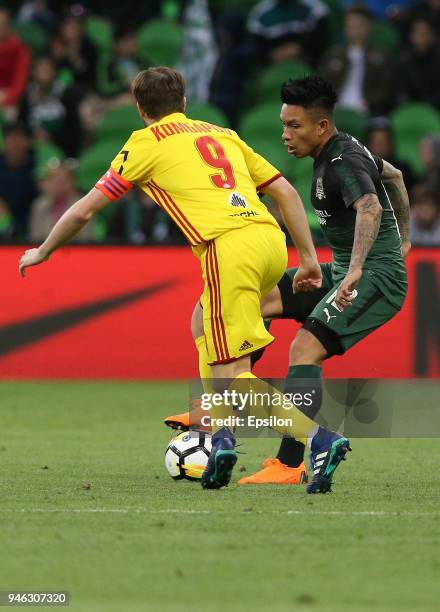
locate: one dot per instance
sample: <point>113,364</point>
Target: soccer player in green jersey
<point>363,208</point>
<point>362,205</point>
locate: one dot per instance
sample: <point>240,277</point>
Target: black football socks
<point>304,382</point>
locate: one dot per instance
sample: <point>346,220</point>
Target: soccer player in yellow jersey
<point>206,179</point>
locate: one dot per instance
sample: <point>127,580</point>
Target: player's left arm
<point>269,181</point>
<point>309,275</point>
<point>392,178</point>
<point>368,216</point>
<point>68,226</point>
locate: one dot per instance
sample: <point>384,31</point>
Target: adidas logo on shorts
<point>246,345</point>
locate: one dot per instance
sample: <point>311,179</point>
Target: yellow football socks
<point>258,399</point>
<point>267,402</point>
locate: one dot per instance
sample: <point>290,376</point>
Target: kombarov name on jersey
<point>171,129</point>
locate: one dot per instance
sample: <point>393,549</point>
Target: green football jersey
<point>343,172</point>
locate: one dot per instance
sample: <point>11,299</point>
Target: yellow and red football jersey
<point>204,176</point>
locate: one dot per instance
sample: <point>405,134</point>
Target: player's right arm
<point>392,178</point>
<point>66,228</point>
<point>125,169</point>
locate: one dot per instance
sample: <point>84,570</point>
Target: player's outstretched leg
<point>221,461</point>
<point>184,420</point>
<point>327,450</point>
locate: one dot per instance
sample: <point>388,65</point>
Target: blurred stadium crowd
<point>66,107</point>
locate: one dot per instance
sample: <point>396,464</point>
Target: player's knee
<point>306,349</point>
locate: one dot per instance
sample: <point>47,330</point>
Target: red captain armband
<point>113,185</point>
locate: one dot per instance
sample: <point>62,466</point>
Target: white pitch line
<point>366,513</point>
<point>361,513</point>
<point>102,510</point>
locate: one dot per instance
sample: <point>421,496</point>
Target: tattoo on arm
<point>368,216</point>
<point>395,187</point>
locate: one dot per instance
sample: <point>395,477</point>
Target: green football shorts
<point>339,330</point>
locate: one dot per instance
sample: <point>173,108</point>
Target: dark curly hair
<point>310,92</point>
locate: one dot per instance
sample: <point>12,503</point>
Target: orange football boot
<point>193,418</point>
<point>275,472</point>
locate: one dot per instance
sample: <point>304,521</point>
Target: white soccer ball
<point>187,454</point>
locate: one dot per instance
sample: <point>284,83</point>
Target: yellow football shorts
<point>239,268</point>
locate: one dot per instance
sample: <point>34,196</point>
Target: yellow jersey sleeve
<point>133,164</point>
<point>261,171</point>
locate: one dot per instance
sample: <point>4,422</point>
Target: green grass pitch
<point>87,506</point>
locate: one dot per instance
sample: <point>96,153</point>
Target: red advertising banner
<point>124,313</point>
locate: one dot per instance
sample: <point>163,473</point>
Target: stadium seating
<point>269,83</point>
<point>218,6</point>
<point>33,36</point>
<point>207,112</point>
<point>351,121</point>
<point>263,122</point>
<point>170,10</point>
<point>95,161</point>
<point>100,33</point>
<point>46,153</point>
<point>159,43</point>
<point>118,123</point>
<point>385,36</point>
<point>335,20</point>
<point>411,122</point>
